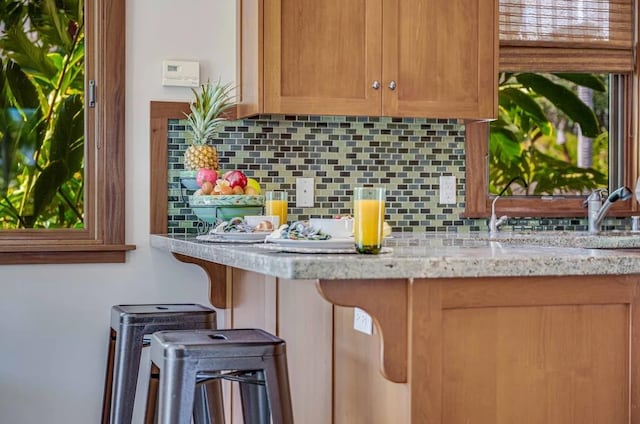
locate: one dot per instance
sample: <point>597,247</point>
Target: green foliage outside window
<point>536,135</point>
<point>41,114</point>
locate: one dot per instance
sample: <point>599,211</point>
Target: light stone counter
<point>417,255</point>
<point>466,328</point>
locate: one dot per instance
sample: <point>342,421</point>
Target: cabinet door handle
<point>375,85</point>
<point>392,85</point>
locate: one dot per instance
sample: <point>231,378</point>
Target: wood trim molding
<point>160,112</point>
<point>386,302</point>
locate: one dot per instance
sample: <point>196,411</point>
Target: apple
<point>236,178</point>
<point>206,175</point>
<point>254,185</point>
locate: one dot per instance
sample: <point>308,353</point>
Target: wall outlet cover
<point>362,321</point>
<point>447,190</point>
<point>304,192</point>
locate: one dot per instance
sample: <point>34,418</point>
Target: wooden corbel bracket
<point>386,302</point>
<point>217,279</point>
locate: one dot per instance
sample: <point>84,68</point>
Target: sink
<point>582,239</point>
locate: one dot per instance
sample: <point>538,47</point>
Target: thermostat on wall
<point>180,73</point>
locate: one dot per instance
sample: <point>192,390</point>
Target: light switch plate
<point>362,321</point>
<point>447,190</point>
<point>304,192</point>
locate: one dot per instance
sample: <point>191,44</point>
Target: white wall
<point>54,319</point>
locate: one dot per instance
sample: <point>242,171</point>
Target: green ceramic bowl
<point>214,208</point>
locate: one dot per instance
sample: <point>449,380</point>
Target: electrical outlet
<point>447,190</point>
<point>362,321</point>
<point>304,192</point>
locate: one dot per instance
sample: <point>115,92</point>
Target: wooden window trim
<point>478,199</point>
<point>104,239</point>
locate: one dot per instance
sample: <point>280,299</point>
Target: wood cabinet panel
<point>292,310</point>
<point>362,394</point>
<point>321,57</point>
<point>546,364</point>
<point>305,321</point>
<point>527,350</point>
<point>441,54</point>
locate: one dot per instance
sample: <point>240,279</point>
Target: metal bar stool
<point>131,327</point>
<point>253,357</point>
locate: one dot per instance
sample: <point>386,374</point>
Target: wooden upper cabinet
<point>341,57</point>
<point>442,57</point>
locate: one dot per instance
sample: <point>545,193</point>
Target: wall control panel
<point>176,73</point>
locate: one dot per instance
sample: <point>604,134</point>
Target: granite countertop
<point>415,255</point>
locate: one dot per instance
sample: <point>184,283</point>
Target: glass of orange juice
<point>276,203</point>
<point>368,219</point>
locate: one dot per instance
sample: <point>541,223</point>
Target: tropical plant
<point>207,112</point>
<point>533,108</point>
<point>41,114</point>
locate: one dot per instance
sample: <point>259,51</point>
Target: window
<point>101,238</point>
<point>567,37</point>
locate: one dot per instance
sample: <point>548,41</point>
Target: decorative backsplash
<point>406,155</point>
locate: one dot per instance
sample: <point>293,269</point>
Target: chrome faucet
<point>597,210</point>
<point>494,221</point>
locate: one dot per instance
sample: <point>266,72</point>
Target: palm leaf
<point>584,80</point>
<point>31,58</point>
<point>47,184</point>
<point>67,140</point>
<point>565,100</point>
<point>524,102</point>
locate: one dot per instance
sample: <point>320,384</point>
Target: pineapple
<point>211,102</point>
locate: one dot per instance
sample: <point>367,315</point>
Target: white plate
<point>334,243</point>
<point>239,236</point>
<point>296,249</point>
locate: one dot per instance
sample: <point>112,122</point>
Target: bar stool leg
<point>177,392</point>
<point>277,382</point>
<point>108,379</point>
<point>127,362</point>
<point>255,404</point>
<point>207,395</point>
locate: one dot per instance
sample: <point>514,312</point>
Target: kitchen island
<point>466,330</point>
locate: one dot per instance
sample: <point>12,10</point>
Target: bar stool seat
<point>239,354</point>
<point>131,329</point>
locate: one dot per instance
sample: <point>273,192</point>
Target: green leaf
<point>22,89</point>
<point>524,102</point>
<point>68,130</point>
<point>31,57</point>
<point>584,80</point>
<point>47,184</point>
<point>565,100</point>
<point>51,24</point>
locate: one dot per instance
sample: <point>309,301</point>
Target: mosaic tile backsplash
<point>406,155</point>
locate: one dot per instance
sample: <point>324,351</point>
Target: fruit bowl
<point>188,180</point>
<point>210,208</point>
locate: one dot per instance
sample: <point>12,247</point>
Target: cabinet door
<point>442,56</point>
<point>322,57</point>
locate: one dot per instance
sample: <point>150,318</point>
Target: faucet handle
<point>596,195</point>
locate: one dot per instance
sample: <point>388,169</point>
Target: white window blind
<point>567,35</point>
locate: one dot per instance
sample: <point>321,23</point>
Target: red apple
<point>236,178</point>
<point>204,175</point>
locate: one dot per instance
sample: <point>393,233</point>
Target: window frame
<point>478,200</point>
<point>103,239</point>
